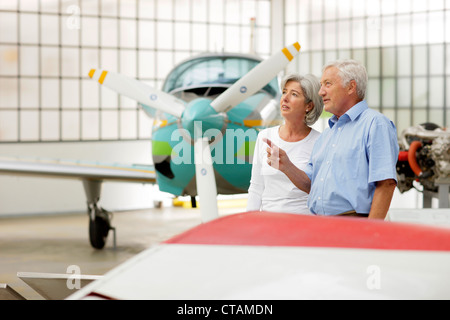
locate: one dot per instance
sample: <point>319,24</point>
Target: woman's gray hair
<point>310,85</point>
<point>351,70</point>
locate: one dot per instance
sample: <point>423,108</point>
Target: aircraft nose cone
<point>199,117</point>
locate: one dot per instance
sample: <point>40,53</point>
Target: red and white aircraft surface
<point>272,256</point>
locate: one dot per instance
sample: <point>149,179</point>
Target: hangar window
<point>404,45</point>
<point>47,48</point>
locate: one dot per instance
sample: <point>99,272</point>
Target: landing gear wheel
<point>99,226</point>
<point>98,232</point>
<point>99,218</point>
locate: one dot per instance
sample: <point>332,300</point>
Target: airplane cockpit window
<point>213,71</point>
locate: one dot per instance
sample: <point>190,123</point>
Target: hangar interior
<point>50,108</point>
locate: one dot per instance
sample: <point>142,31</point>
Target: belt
<point>353,213</point>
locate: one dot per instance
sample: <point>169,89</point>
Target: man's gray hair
<point>310,85</point>
<point>351,70</point>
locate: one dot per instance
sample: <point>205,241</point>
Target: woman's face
<point>292,102</point>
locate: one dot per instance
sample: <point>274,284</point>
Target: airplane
<point>207,117</point>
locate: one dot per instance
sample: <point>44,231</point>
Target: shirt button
<point>334,145</point>
<point>321,179</point>
<point>319,198</point>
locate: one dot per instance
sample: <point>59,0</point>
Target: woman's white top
<point>270,189</point>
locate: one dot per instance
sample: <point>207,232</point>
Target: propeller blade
<point>139,91</point>
<point>206,182</point>
<point>256,79</point>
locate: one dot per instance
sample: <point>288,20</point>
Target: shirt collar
<point>351,114</point>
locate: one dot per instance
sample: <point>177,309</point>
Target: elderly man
<point>352,170</point>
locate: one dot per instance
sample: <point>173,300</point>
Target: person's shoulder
<point>376,123</point>
<point>374,113</point>
<point>376,117</point>
<point>314,134</point>
<point>268,132</point>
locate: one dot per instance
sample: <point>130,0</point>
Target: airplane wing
<point>72,169</point>
<point>272,256</point>
<point>92,174</point>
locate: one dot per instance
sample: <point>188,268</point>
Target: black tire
<point>98,232</point>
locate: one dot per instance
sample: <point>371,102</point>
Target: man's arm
<point>382,199</point>
<point>278,159</point>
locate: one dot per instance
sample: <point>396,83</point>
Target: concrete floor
<point>50,244</point>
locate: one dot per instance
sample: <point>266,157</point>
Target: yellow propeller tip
<point>91,73</point>
<point>297,46</point>
<point>102,77</point>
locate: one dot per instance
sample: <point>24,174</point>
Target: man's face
<point>335,96</point>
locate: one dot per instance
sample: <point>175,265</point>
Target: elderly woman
<point>301,106</point>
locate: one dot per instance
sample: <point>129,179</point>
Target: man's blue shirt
<point>357,150</point>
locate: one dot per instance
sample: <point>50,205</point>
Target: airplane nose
<point>199,117</point>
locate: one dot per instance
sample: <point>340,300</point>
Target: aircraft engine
<point>424,157</point>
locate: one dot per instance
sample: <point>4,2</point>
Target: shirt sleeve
<point>382,151</point>
<point>254,201</point>
<point>309,170</point>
